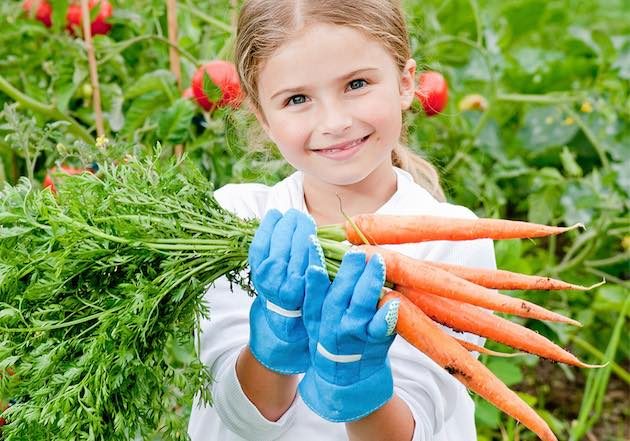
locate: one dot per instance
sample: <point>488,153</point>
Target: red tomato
<point>432,92</point>
<point>43,13</point>
<point>223,74</point>
<point>99,25</point>
<point>48,180</point>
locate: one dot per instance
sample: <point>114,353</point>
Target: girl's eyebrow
<point>343,77</point>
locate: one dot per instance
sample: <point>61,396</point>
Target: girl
<point>307,359</point>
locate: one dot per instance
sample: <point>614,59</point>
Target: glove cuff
<point>346,403</point>
<point>275,354</point>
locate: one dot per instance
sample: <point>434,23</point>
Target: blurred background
<point>533,124</point>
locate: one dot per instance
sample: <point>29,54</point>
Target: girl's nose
<point>335,119</point>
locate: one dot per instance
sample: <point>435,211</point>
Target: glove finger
<point>300,244</point>
<point>317,284</point>
<point>367,290</point>
<point>342,288</point>
<point>280,248</point>
<point>269,277</point>
<point>315,252</point>
<point>259,248</point>
<point>383,323</point>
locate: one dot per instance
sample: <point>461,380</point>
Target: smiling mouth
<point>345,146</point>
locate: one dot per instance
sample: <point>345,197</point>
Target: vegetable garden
<point>524,108</point>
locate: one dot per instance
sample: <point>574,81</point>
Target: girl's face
<point>332,101</point>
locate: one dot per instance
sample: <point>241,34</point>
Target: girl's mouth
<point>345,151</point>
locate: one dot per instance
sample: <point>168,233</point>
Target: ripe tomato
<point>432,92</point>
<point>43,13</point>
<point>48,180</point>
<point>223,74</point>
<point>99,25</point>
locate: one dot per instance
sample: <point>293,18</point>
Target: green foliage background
<point>553,146</point>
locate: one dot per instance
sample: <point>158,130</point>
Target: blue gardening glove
<point>278,259</point>
<point>350,376</point>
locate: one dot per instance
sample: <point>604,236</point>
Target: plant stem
<point>96,88</point>
<point>45,109</point>
<point>127,43</point>
<point>597,145</point>
<point>538,99</point>
<point>207,18</point>
<point>621,372</point>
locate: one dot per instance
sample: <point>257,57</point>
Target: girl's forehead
<point>323,52</point>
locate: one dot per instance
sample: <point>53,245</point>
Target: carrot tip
<point>593,366</point>
<point>574,323</point>
<point>596,285</point>
<point>578,225</point>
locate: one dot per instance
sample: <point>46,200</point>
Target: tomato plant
<point>224,90</point>
<point>42,13</point>
<point>540,133</point>
<point>99,24</point>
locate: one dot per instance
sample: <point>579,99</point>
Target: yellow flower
<point>102,142</point>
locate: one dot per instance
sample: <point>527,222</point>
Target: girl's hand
<point>349,376</point>
<point>278,258</point>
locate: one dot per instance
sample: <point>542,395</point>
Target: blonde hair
<point>265,25</point>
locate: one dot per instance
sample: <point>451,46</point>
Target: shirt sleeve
<point>222,338</point>
<point>224,335</point>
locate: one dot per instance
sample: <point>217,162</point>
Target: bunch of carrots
<point>453,295</point>
<point>133,246</point>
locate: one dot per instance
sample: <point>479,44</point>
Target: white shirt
<point>441,406</point>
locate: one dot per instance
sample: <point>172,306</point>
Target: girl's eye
<point>357,84</point>
<point>296,99</point>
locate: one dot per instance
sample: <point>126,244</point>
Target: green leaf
<point>150,82</point>
<point>487,415</point>
<point>507,371</point>
<point>210,89</point>
<point>610,298</point>
<point>545,127</point>
<point>542,205</point>
<point>570,165</point>
<point>622,63</point>
<point>142,108</point>
<point>174,123</point>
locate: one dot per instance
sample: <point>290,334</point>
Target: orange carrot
<point>392,229</point>
<point>501,279</point>
<point>468,318</point>
<point>419,330</point>
<point>406,271</point>
<point>473,347</point>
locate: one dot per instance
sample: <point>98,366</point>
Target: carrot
<point>468,318</point>
<point>501,279</point>
<point>406,271</point>
<point>473,347</point>
<point>392,229</point>
<point>420,331</point>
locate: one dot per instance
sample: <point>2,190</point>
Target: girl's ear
<point>407,84</point>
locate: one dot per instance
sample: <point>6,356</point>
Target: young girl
<point>307,359</point>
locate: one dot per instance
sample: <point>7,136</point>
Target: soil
<point>563,397</point>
